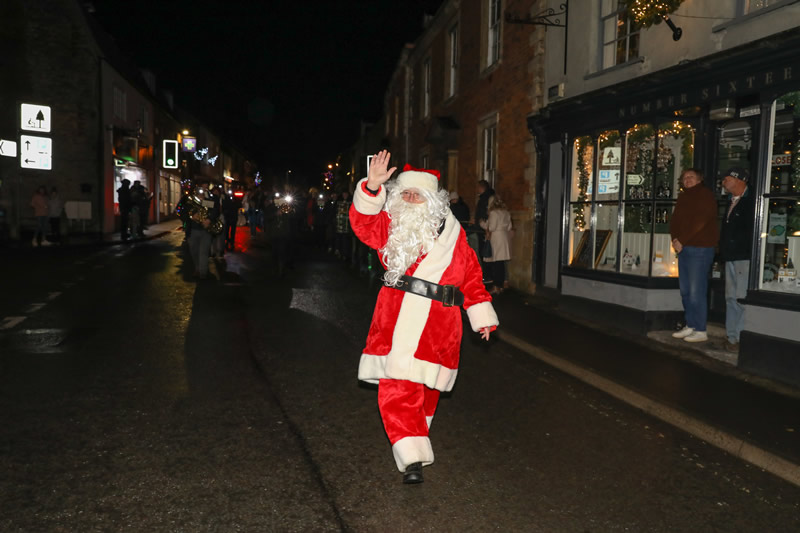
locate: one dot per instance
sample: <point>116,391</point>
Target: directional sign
<point>8,148</point>
<point>35,118</point>
<point>36,152</point>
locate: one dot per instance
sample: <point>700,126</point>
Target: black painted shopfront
<point>615,155</point>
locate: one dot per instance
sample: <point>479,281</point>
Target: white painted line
<point>728,442</point>
<point>53,295</point>
<point>34,307</point>
<point>11,321</point>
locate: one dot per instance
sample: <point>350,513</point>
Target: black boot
<point>413,474</point>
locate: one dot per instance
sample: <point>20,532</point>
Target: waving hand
<point>378,173</point>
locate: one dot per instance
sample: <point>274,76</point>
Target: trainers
<point>696,336</point>
<point>685,332</point>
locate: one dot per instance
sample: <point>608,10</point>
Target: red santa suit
<point>413,344</point>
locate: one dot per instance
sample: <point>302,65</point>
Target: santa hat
<point>418,178</point>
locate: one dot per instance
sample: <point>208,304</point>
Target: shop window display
<point>780,235</point>
<point>653,158</point>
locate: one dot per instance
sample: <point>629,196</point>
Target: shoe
<point>732,347</point>
<point>696,336</point>
<point>685,332</point>
<point>413,474</point>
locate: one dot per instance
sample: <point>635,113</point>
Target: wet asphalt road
<point>134,399</point>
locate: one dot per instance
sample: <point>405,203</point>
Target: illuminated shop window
<point>628,182</point>
<point>780,232</point>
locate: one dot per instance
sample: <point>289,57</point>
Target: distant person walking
<point>39,203</point>
<point>55,209</point>
<point>124,199</point>
<point>498,232</point>
<point>694,232</point>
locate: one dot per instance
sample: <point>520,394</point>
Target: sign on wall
<point>8,148</point>
<point>36,152</point>
<point>35,118</point>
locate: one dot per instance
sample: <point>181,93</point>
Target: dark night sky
<point>288,80</point>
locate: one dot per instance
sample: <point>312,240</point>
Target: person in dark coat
<point>735,248</point>
<point>124,195</point>
<point>485,192</point>
<point>460,209</point>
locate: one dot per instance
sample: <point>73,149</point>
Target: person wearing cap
<point>412,349</point>
<point>693,228</point>
<point>735,249</point>
<point>460,209</point>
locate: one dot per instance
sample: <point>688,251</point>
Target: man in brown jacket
<point>694,233</point>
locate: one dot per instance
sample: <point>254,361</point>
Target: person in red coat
<point>412,349</point>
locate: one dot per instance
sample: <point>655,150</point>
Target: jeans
<point>694,263</point>
<point>736,275</point>
<point>41,228</point>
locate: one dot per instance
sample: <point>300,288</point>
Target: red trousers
<point>407,409</point>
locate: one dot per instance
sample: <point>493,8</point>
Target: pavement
<point>696,388</point>
<point>692,387</point>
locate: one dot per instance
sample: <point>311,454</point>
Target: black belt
<point>449,295</point>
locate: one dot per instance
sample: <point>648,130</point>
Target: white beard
<point>412,231</point>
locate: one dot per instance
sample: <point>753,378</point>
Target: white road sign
<point>36,152</point>
<point>8,148</point>
<point>35,118</point>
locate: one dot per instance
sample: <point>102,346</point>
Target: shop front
<point>611,168</point>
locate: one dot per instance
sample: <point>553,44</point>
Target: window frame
<point>452,58</point>
<point>426,86</point>
<point>604,42</point>
<point>493,32</point>
<point>489,157</point>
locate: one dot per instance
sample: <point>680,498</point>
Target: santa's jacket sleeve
<point>477,301</point>
<point>368,220</point>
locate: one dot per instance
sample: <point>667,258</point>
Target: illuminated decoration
<point>200,154</point>
<point>170,154</point>
<point>584,168</point>
<point>647,13</point>
<point>258,179</point>
<point>189,144</point>
<point>212,160</point>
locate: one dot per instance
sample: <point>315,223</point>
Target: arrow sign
<point>37,152</point>
<point>8,148</point>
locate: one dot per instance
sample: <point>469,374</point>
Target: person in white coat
<point>498,231</point>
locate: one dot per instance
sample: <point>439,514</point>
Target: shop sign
<point>8,148</point>
<point>36,152</point>
<point>189,144</point>
<point>750,111</point>
<point>780,160</point>
<point>746,83</point>
<point>35,118</point>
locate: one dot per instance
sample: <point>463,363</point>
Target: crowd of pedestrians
<point>134,206</point>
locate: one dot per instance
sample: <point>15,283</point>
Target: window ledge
<point>775,300</point>
<point>743,19</point>
<point>491,68</point>
<point>621,278</point>
<point>621,66</point>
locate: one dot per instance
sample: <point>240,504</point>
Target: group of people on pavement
<point>134,207</point>
<point>695,237</point>
<point>47,208</point>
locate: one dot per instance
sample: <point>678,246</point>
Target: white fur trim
<point>366,204</point>
<point>414,309</point>
<point>373,368</point>
<point>429,420</point>
<point>410,450</point>
<point>481,316</point>
<point>413,179</point>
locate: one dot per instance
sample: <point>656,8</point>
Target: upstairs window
<point>120,103</point>
<point>426,87</point>
<point>619,34</point>
<point>493,43</point>
<point>489,164</point>
<point>452,72</point>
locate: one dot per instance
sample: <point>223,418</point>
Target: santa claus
<point>413,344</point>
